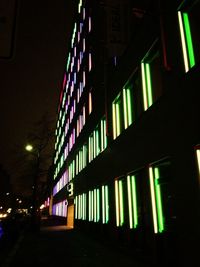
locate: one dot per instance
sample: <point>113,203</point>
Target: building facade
<point>127,152</point>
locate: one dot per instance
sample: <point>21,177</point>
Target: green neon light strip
<point>118,119</point>
<point>95,205</point>
<point>81,217</point>
<point>79,6</point>
<point>117,202</point>
<point>121,203</point>
<point>130,208</point>
<point>89,210</point>
<point>189,39</point>
<point>102,136</point>
<point>97,142</point>
<point>144,89</point>
<point>89,150</point>
<point>94,145</point>
<point>83,206</point>
<point>85,197</point>
<point>84,156</point>
<point>105,137</point>
<point>183,42</point>
<point>129,106</point>
<point>92,208</point>
<point>79,207</point>
<point>134,197</point>
<point>98,206</point>
<point>125,109</point>
<point>114,121</point>
<point>153,201</point>
<point>159,201</point>
<point>107,203</point>
<point>148,81</point>
<point>103,204</point>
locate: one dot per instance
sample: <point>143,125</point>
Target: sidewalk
<point>56,245</point>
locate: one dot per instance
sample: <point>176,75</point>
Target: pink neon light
<point>90,61</point>
<point>89,25</point>
<point>83,79</point>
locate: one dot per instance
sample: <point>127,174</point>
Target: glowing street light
<point>29,147</point>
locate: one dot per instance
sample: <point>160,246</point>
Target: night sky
<point>30,80</point>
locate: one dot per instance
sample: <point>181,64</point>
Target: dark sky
<point>30,81</point>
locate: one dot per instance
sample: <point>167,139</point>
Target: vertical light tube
<point>84,82</point>
<point>95,205</point>
<point>79,6</point>
<point>89,24</point>
<point>85,198</point>
<point>103,205</point>
<point>189,39</point>
<point>198,160</point>
<point>89,146</point>
<point>98,205</point>
<point>129,106</point>
<point>83,45</point>
<point>117,202</point>
<point>144,89</point>
<point>125,109</point>
<point>102,136</point>
<point>90,102</point>
<point>94,144</point>
<point>114,121</point>
<point>149,87</point>
<point>130,208</point>
<point>83,115</point>
<point>121,203</point>
<point>118,118</point>
<point>107,204</point>
<point>84,156</point>
<point>105,137</point>
<point>158,201</point>
<point>77,170</point>
<point>90,61</point>
<point>92,206</point>
<point>97,142</point>
<point>134,197</point>
<point>79,207</point>
<point>153,202</point>
<point>183,42</point>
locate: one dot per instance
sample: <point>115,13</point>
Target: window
<point>159,176</point>
<point>119,202</point>
<point>117,111</point>
<point>132,201</point>
<point>188,18</point>
<point>94,205</point>
<point>127,107</point>
<point>80,206</point>
<point>151,76</point>
<point>105,204</point>
<point>103,133</point>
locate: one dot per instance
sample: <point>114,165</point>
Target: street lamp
<point>35,215</point>
<point>29,147</point>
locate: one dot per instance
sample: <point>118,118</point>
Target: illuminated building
<point>127,146</point>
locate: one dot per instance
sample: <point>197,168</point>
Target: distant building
<point>127,153</point>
